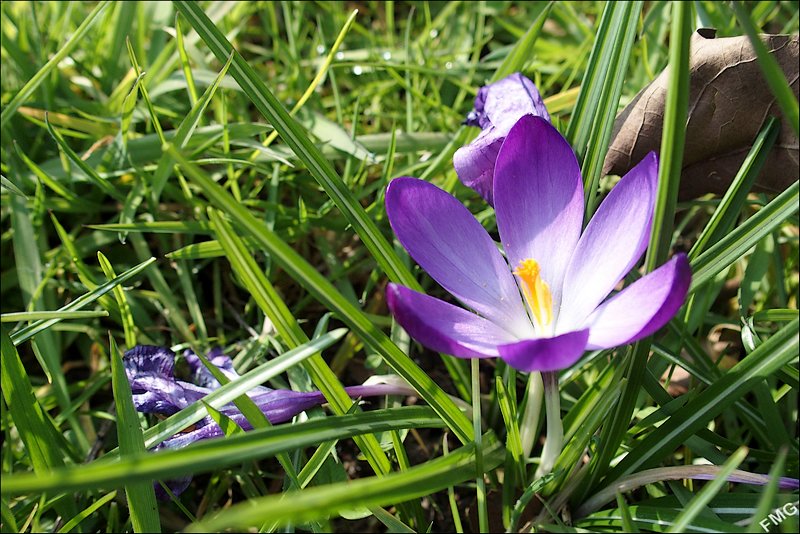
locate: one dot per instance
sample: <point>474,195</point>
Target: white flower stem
<point>533,410</point>
<point>555,430</point>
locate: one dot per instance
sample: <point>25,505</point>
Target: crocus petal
<point>546,353</point>
<point>613,242</point>
<point>150,374</point>
<point>474,163</point>
<point>641,308</point>
<point>443,327</point>
<point>456,251</point>
<point>538,199</point>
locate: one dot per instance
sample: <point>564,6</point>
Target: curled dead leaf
<point>729,101</point>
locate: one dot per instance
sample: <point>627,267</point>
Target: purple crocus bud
<point>498,106</point>
<point>156,390</point>
<point>547,301</point>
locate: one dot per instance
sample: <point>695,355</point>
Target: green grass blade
<point>122,301</point>
<point>141,495</point>
<point>88,512</point>
<point>28,89</point>
<point>317,503</point>
<point>212,455</point>
<point>270,302</point>
<point>35,428</point>
<point>597,132</point>
<point>14,317</point>
<point>766,501</point>
<point>93,177</point>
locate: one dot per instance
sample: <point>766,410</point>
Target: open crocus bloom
<point>498,106</point>
<point>150,372</point>
<point>544,304</point>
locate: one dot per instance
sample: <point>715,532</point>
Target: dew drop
<point>434,33</point>
<point>357,70</point>
<point>320,49</point>
<point>339,55</point>
<point>386,56</point>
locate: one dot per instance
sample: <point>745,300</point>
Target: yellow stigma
<point>536,292</point>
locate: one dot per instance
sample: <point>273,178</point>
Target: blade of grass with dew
<point>141,496</point>
<point>776,79</point>
<point>211,455</point>
<point>316,503</point>
<point>295,137</point>
<point>28,89</point>
<point>672,145</point>
<point>322,289</point>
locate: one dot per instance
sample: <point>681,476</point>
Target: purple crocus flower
<point>156,390</point>
<point>498,106</point>
<point>544,304</point>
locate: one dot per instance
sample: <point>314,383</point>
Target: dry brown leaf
<point>729,101</point>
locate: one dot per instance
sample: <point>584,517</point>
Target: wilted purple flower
<point>156,390</point>
<point>564,275</point>
<point>498,106</point>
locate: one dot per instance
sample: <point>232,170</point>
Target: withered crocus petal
<point>150,374</point>
<point>497,107</point>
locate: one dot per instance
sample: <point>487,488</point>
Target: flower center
<point>536,292</point>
